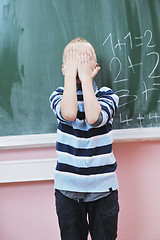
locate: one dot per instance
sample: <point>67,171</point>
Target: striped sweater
<point>85,159</point>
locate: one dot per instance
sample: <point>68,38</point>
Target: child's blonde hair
<point>80,40</point>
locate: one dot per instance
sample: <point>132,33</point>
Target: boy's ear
<point>96,65</point>
<point>62,69</point>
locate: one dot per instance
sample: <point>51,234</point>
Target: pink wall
<point>139,180</point>
<point>27,210</point>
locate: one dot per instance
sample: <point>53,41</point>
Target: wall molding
<point>27,170</point>
<point>136,134</point>
<point>43,169</point>
<point>49,140</point>
<point>28,141</point>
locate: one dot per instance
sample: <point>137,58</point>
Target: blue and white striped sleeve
<point>55,100</point>
<point>109,103</point>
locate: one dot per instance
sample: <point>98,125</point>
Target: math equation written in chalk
<point>134,67</point>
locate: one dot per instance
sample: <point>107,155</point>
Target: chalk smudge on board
<point>9,41</point>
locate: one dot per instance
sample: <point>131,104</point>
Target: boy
<point>85,179</point>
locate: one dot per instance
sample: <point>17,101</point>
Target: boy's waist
<point>85,197</point>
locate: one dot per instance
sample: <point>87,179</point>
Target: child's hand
<point>70,66</point>
<point>87,68</point>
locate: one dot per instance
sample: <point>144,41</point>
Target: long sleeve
<point>55,100</point>
<point>109,103</point>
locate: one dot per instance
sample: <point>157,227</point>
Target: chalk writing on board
<point>132,66</point>
<point>149,32</point>
<point>140,119</point>
<point>123,65</point>
<point>155,66</point>
<point>146,90</point>
<point>119,70</point>
<point>125,94</point>
<point>139,40</point>
<point>126,120</point>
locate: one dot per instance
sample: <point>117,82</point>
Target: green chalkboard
<point>125,34</point>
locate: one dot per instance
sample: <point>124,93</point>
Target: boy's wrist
<point>87,81</point>
<point>70,76</point>
<point>87,85</point>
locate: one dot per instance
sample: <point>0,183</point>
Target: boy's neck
<point>79,86</point>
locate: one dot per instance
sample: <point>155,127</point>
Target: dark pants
<point>77,219</point>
